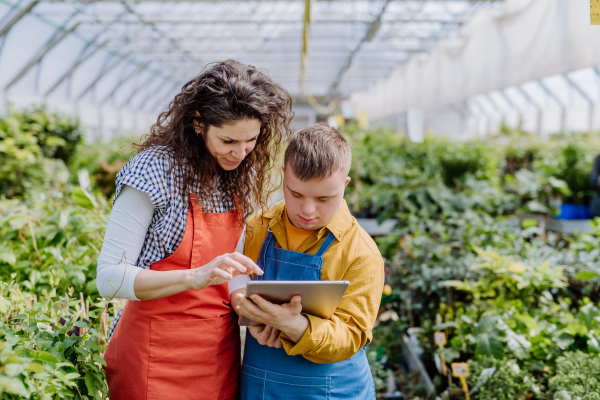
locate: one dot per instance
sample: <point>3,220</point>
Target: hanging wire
<point>328,109</point>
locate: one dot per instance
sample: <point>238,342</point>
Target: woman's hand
<point>266,335</point>
<point>151,285</point>
<point>221,270</point>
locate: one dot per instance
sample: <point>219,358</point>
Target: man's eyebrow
<point>292,190</point>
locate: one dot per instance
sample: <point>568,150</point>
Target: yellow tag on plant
<point>440,339</point>
<point>461,371</point>
<point>595,12</point>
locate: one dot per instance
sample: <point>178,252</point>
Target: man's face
<point>312,204</point>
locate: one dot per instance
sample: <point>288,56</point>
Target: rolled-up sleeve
<point>349,329</point>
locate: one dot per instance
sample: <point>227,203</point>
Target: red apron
<point>186,346</point>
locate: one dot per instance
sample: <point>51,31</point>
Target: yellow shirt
<point>353,257</point>
<point>295,236</point>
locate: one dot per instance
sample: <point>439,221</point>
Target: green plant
<point>492,379</point>
<point>41,354</point>
<point>51,239</point>
<point>577,377</point>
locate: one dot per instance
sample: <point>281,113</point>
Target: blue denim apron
<point>269,373</point>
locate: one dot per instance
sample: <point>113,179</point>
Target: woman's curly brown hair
<point>225,93</point>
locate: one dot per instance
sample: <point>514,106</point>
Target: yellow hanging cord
<point>328,109</point>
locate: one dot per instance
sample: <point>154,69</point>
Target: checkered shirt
<point>148,172</point>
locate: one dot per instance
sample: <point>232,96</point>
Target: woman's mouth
<point>232,162</point>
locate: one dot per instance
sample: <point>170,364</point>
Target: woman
<point>179,210</point>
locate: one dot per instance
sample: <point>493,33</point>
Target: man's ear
<point>347,181</point>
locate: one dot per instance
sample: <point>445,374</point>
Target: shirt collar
<point>339,224</point>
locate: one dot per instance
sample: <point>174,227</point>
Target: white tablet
<point>319,298</point>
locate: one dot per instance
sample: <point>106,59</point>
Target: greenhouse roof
<point>119,52</point>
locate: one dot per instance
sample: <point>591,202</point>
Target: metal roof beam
<point>529,99</point>
<point>101,75</point>
<point>160,95</point>
<point>271,21</point>
<point>578,89</point>
<point>139,88</point>
<point>74,67</point>
<point>182,37</point>
<point>17,17</point>
<point>122,81</point>
<point>251,1</point>
<point>552,95</point>
<point>369,36</point>
<point>40,55</point>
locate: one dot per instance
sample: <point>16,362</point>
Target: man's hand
<point>266,335</point>
<point>286,317</point>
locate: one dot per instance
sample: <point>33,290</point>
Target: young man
<point>300,356</point>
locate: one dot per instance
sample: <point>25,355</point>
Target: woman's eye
<point>227,141</point>
<point>295,194</point>
<point>323,200</point>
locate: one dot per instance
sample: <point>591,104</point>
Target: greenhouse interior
<point>436,162</point>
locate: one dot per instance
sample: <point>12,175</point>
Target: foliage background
<point>512,298</point>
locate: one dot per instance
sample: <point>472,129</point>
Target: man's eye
<point>295,194</point>
<point>227,141</point>
<point>324,200</point>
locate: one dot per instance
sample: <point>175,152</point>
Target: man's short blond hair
<point>318,152</point>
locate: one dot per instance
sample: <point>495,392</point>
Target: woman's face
<point>230,144</point>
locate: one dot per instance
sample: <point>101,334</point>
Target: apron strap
<point>325,245</point>
<point>268,242</point>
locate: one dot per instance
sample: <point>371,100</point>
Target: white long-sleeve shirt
<point>123,241</point>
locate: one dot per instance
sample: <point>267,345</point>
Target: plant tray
<point>374,228</point>
<point>414,363</point>
<point>569,226</point>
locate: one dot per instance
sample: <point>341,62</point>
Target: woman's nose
<point>240,152</point>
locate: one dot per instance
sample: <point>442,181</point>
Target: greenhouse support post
<point>586,97</point>
<point>558,100</point>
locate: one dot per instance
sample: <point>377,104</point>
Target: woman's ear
<point>198,125</point>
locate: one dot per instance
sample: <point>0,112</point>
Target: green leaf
<point>8,258</point>
<point>593,344</point>
<point>72,375</point>
<point>36,367</point>
<point>81,351</point>
<point>82,198</point>
<point>456,284</point>
<point>81,324</point>
<point>99,359</point>
<point>488,345</point>
<point>90,344</point>
<point>586,275</point>
<point>518,344</point>
<point>13,386</point>
<point>90,382</point>
<point>564,340</point>
<point>528,223</point>
<point>560,185</point>
<point>41,355</point>
<point>441,327</point>
<point>488,323</point>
